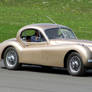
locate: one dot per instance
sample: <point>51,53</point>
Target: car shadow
<point>43,69</point>
<point>88,73</point>
<point>49,70</point>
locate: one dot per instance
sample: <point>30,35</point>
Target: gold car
<point>47,45</point>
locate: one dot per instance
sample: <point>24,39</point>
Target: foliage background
<point>76,14</point>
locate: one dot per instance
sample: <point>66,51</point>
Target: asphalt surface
<point>37,79</point>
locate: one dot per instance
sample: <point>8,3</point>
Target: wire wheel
<point>11,58</point>
<point>75,64</point>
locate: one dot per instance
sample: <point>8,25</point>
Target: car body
<point>57,46</point>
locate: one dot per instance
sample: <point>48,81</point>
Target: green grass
<point>76,14</point>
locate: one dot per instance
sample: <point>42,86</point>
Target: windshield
<point>59,33</point>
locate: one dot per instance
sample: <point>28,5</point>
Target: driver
<point>35,37</point>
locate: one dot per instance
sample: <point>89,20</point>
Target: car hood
<point>72,41</point>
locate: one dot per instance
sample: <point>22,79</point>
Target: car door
<point>33,53</point>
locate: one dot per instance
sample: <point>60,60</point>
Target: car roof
<point>45,26</point>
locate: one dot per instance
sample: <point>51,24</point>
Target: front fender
<point>84,52</point>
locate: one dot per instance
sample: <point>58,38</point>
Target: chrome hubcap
<point>11,58</point>
<point>75,64</point>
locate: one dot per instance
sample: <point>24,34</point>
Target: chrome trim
<point>90,61</point>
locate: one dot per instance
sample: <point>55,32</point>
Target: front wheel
<point>11,60</point>
<point>75,65</point>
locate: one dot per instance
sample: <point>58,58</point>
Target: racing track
<point>36,79</point>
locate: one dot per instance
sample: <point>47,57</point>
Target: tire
<point>11,59</point>
<point>75,64</point>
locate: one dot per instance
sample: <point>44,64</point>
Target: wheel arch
<point>65,58</point>
<point>2,55</point>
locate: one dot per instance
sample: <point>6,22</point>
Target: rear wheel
<point>11,60</point>
<point>75,65</point>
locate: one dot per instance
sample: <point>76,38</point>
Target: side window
<point>31,35</point>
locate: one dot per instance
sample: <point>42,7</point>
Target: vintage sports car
<point>47,45</point>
